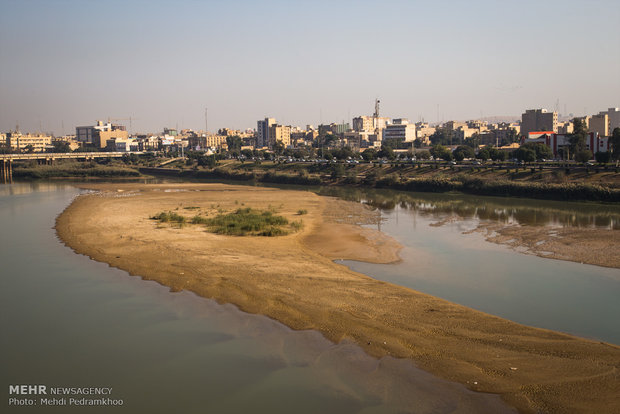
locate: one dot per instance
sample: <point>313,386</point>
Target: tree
<point>386,152</point>
<point>29,148</point>
<point>578,137</point>
<point>525,154</point>
<point>583,156</point>
<point>462,152</point>
<point>512,135</point>
<point>5,149</point>
<point>441,152</point>
<point>615,143</point>
<point>474,141</point>
<point>61,146</point>
<point>234,143</point>
<point>369,154</point>
<point>207,161</point>
<point>542,151</point>
<point>337,170</point>
<point>483,155</point>
<point>441,136</point>
<point>329,140</point>
<point>423,155</point>
<point>278,147</point>
<point>343,153</point>
<point>602,157</point>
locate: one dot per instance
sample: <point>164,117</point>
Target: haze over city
<point>68,63</point>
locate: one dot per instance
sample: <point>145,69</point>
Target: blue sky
<point>66,62</point>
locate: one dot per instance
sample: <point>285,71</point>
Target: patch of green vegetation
<point>199,220</point>
<point>191,208</point>
<point>170,217</point>
<point>241,222</point>
<point>302,211</point>
<point>297,225</point>
<point>248,221</point>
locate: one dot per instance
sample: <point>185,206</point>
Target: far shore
<point>294,280</point>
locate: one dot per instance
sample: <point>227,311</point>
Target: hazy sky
<point>70,62</point>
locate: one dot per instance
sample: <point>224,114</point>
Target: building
<point>369,123</point>
<point>400,129</point>
<point>207,141</point>
<point>600,124</point>
<point>333,128</point>
<point>69,139</point>
<point>279,133</point>
<point>560,142</point>
<point>424,131</point>
<point>99,135</point>
<point>613,121</point>
<point>538,120</point>
<point>18,142</point>
<point>262,132</point>
<point>565,127</point>
<point>363,123</point>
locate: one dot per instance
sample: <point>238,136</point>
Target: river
<point>442,257</point>
<point>68,321</point>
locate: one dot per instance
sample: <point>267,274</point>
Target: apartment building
<point>262,132</point>
<point>538,120</point>
<point>279,133</point>
<point>599,124</point>
<point>18,142</point>
<point>365,123</point>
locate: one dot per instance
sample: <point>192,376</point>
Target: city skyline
<point>68,63</point>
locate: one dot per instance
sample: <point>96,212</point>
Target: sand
<point>583,245</point>
<point>293,279</point>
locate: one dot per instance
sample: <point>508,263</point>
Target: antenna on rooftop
<point>206,122</point>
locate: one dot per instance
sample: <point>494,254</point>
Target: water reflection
<point>503,210</point>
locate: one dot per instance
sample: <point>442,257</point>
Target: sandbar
<point>293,279</point>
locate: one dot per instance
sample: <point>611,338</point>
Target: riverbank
<point>73,169</point>
<point>292,279</point>
<point>582,184</point>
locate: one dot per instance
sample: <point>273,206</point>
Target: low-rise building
<point>19,142</point>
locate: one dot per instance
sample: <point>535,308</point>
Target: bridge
<point>49,157</point>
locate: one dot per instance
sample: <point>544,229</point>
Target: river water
<point>440,260</point>
<point>68,321</point>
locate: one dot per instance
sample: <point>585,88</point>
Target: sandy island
<point>293,279</point>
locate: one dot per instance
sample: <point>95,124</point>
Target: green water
<point>69,321</point>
